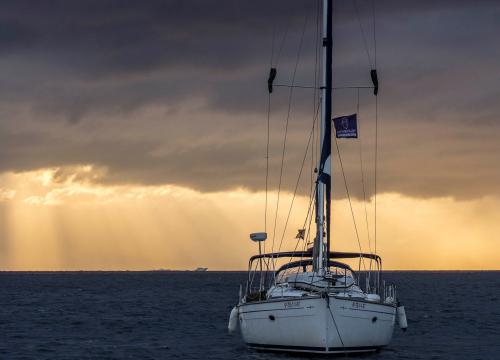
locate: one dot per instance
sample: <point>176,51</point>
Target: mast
<point>323,183</point>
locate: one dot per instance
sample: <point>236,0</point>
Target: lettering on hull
<point>291,304</point>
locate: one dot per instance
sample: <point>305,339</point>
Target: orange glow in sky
<point>70,222</point>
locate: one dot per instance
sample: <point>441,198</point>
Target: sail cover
<point>325,166</point>
<point>324,175</point>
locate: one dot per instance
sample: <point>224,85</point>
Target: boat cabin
<point>298,277</point>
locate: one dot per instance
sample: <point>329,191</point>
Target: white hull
<point>308,324</point>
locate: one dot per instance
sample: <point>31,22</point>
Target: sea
<point>184,315</point>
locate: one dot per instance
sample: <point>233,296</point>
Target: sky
<point>133,134</point>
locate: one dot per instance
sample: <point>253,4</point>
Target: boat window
<point>340,274</point>
<point>283,274</point>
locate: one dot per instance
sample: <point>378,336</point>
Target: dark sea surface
<point>183,315</point>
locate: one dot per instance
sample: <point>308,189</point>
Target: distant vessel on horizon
<point>200,269</point>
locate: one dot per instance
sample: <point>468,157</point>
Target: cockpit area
<point>300,274</point>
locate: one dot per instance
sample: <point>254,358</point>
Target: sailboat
<point>315,302</point>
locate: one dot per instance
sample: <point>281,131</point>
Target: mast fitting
<point>270,80</point>
<point>373,75</point>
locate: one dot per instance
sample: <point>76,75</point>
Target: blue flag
<point>346,126</point>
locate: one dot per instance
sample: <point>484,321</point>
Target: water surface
<point>183,315</point>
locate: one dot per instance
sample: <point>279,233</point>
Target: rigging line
<point>312,195</point>
<point>317,51</point>
<point>310,213</point>
<point>296,86</point>
<point>374,13</point>
<point>311,209</point>
<point>363,33</point>
<point>314,96</point>
<point>333,319</point>
<point>283,41</point>
<point>315,87</point>
<point>268,121</point>
<point>272,46</point>
<point>308,236</point>
<point>363,175</point>
<point>311,171</point>
<point>315,135</point>
<point>364,187</point>
<point>376,164</point>
<point>317,81</point>
<point>253,272</point>
<point>267,171</point>
<point>310,217</point>
<point>286,129</point>
<point>298,179</point>
<point>349,198</point>
<point>316,105</point>
<point>352,87</point>
<point>294,249</point>
<point>267,160</point>
<point>267,145</point>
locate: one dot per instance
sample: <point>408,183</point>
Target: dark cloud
<point>174,91</point>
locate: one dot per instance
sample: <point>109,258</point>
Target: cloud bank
<point>173,93</point>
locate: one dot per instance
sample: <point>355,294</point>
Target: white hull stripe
<point>254,311</point>
<point>314,348</point>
